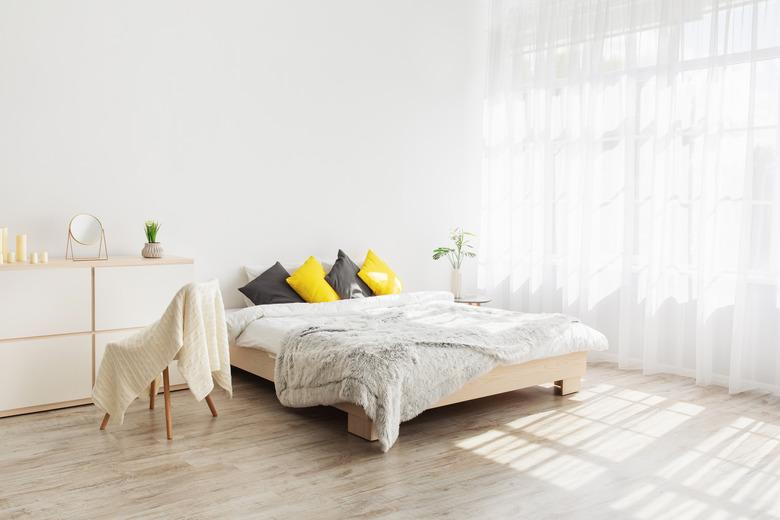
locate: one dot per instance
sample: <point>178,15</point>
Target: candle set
<point>20,255</point>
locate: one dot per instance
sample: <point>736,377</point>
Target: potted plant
<point>461,249</point>
<point>152,249</point>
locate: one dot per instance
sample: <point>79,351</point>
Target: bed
<point>383,360</point>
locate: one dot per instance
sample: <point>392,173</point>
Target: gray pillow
<point>271,287</point>
<point>344,279</point>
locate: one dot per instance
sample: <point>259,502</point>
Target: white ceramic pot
<point>456,283</point>
<point>152,250</point>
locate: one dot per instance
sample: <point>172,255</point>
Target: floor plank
<point>626,446</point>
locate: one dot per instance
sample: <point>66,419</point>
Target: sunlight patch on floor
<point>633,498</point>
<point>686,408</point>
<point>768,500</point>
<point>683,508</point>
<point>608,409</point>
<point>657,423</point>
<point>525,421</point>
<point>617,446</point>
<point>478,440</point>
<point>601,428</point>
<point>565,470</point>
<point>653,509</point>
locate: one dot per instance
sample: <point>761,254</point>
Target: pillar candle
<point>2,259</point>
<point>45,257</point>
<point>4,240</point>
<point>34,258</point>
<point>11,257</point>
<point>21,248</point>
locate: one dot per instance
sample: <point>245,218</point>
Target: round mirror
<point>86,229</point>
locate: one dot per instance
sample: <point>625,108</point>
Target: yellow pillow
<point>379,276</point>
<point>309,282</point>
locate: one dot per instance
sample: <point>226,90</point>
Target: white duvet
<point>266,326</point>
<point>395,356</point>
<point>278,320</point>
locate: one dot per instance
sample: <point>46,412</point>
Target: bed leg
<point>361,426</point>
<point>568,386</point>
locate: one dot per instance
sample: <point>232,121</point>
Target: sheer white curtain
<point>632,177</point>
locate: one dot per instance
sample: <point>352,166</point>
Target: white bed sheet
<point>268,333</point>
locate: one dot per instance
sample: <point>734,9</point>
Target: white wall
<point>251,130</point>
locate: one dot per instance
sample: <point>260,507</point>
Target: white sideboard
<point>57,318</point>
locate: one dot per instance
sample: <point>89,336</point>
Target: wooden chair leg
<point>168,415</point>
<point>167,394</point>
<point>210,402</point>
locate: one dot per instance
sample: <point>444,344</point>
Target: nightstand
<point>473,299</point>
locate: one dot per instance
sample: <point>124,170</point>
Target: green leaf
<point>441,251</point>
<point>151,228</point>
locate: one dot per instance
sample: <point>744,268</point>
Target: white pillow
<point>253,271</point>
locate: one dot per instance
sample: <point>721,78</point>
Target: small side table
<point>475,299</point>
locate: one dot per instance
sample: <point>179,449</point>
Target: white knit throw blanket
<point>397,362</point>
<point>192,330</point>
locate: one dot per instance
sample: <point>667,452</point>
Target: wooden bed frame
<point>566,371</point>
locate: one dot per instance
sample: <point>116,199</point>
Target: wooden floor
<point>627,446</point>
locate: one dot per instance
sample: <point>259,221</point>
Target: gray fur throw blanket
<point>397,357</point>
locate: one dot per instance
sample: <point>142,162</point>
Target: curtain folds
<point>632,178</point>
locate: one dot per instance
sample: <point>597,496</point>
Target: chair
<point>193,331</point>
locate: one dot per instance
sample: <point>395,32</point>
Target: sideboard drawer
<point>136,296</point>
<point>42,302</point>
<point>36,372</point>
<point>104,338</point>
